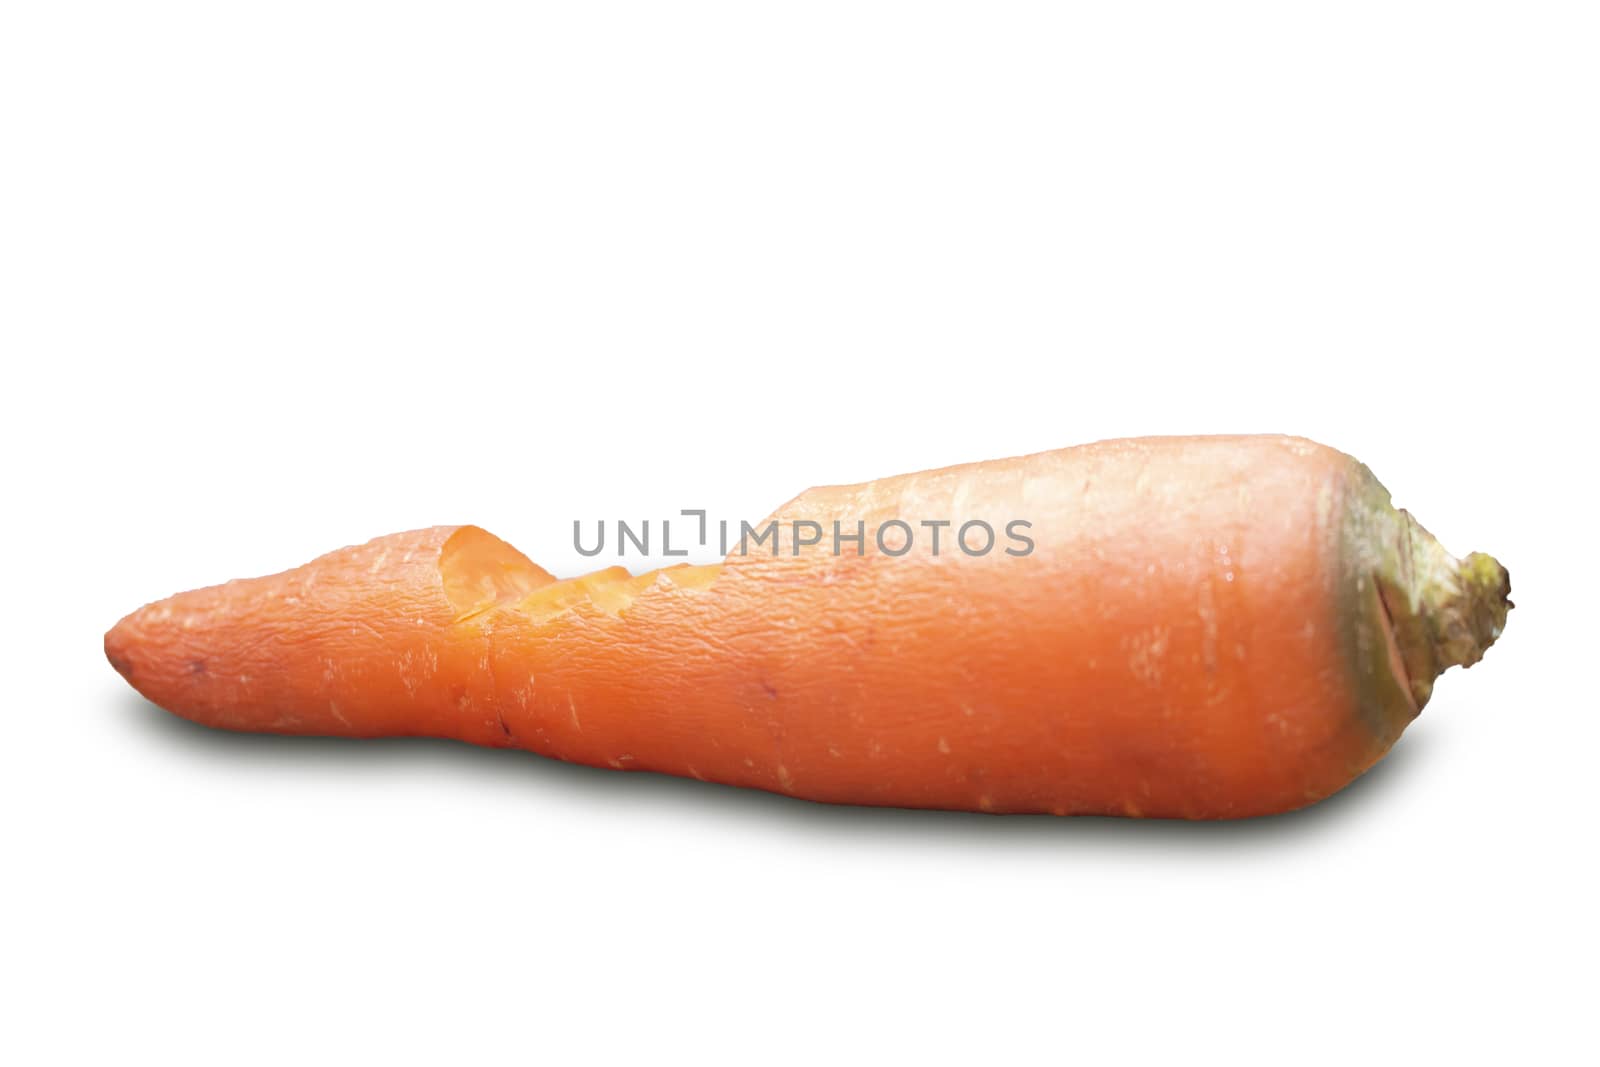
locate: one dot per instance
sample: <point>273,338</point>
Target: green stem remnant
<point>1445,612</point>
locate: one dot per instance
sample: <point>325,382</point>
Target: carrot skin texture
<point>1197,633</point>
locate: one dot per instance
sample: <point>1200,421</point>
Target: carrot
<point>1205,627</point>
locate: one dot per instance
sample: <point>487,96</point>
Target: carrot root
<point>1207,628</point>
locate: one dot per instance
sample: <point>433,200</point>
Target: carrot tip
<point>114,656</point>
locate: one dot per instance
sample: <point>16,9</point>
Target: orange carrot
<point>1196,627</point>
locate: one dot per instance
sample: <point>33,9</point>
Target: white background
<point>275,278</point>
